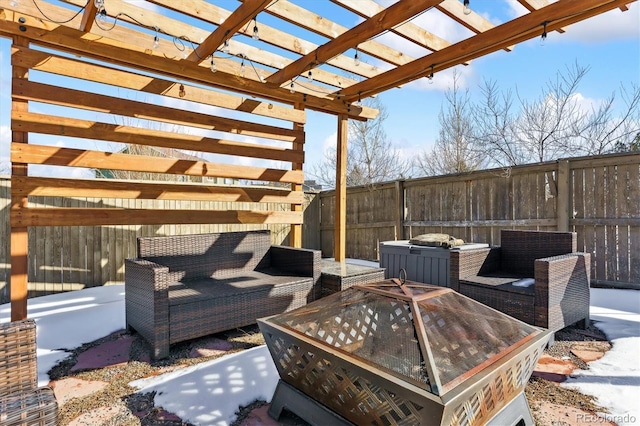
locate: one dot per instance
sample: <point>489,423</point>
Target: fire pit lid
<point>431,336</point>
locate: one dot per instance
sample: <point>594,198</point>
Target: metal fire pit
<point>402,353</point>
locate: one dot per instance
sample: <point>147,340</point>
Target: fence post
<point>399,210</point>
<point>563,204</point>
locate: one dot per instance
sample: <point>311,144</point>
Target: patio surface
<point>213,373</point>
<point>111,357</point>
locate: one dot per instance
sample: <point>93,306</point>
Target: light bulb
<point>99,4</point>
<point>102,14</point>
<point>242,68</point>
<point>181,91</point>
<point>310,75</point>
<point>156,42</point>
<point>543,37</point>
<point>292,88</point>
<point>256,35</point>
<point>225,46</point>
<point>467,9</point>
<point>214,67</point>
<point>430,78</point>
<point>13,3</point>
<point>356,59</point>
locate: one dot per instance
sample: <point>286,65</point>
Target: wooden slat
<point>56,156</point>
<point>71,67</point>
<point>72,127</point>
<point>52,216</point>
<point>473,21</point>
<point>216,15</point>
<point>408,30</point>
<point>321,25</point>
<point>125,53</point>
<point>515,31</point>
<point>143,110</point>
<point>101,188</point>
<point>88,16</point>
<point>391,16</point>
<point>243,14</point>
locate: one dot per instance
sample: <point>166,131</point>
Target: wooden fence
<point>597,197</point>
<point>65,258</point>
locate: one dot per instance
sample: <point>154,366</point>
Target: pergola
<point>193,58</point>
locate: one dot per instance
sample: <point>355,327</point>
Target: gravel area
<point>138,409</point>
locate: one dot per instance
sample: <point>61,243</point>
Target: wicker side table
<point>338,276</point>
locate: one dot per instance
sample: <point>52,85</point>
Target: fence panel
<point>66,258</point>
<point>601,204</point>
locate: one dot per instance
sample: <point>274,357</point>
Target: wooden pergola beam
<point>297,15</point>
<point>217,15</point>
<point>532,5</point>
<point>88,16</point>
<point>409,30</point>
<point>121,53</point>
<point>243,14</point>
<point>390,17</point>
<point>556,15</point>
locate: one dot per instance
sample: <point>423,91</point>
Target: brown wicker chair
<point>22,402</point>
<point>535,276</point>
<point>187,286</point>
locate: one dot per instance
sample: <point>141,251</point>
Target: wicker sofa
<point>535,276</point>
<point>22,402</point>
<point>187,286</point>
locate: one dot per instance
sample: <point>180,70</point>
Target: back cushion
<point>217,255</point>
<point>521,248</point>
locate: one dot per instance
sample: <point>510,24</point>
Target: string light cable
<point>82,8</point>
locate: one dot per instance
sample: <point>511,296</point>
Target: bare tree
<point>371,156</point>
<point>602,131</point>
<point>554,125</point>
<point>495,127</point>
<point>454,150</point>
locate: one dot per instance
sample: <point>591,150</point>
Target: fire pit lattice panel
<point>354,396</point>
<point>391,354</point>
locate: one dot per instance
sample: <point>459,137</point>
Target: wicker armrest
<point>467,263</point>
<point>304,262</point>
<point>146,275</point>
<point>147,302</point>
<point>300,261</point>
<point>562,289</point>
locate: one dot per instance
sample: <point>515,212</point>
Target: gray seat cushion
<point>523,285</point>
<point>249,281</point>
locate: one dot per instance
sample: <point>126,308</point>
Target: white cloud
<point>612,25</point>
<point>60,171</point>
<point>330,142</point>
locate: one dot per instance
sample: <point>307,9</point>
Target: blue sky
<point>608,44</point>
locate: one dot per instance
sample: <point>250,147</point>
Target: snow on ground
<point>615,378</point>
<point>211,392</point>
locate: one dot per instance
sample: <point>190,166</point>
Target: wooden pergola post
<point>295,235</point>
<point>19,235</point>
<point>340,222</point>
